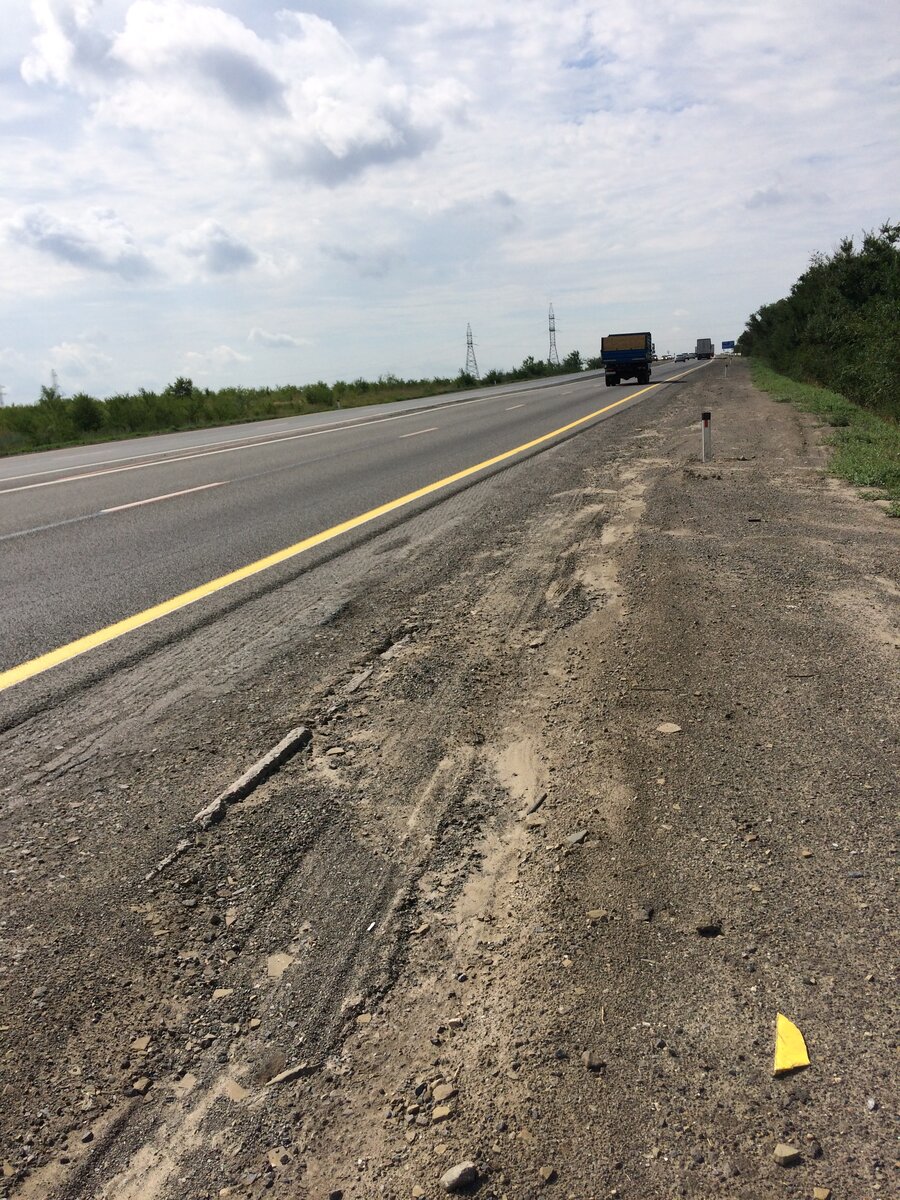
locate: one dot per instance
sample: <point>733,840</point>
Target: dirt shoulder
<point>497,912</point>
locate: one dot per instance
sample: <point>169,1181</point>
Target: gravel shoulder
<point>602,778</point>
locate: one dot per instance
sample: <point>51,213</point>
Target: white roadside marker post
<point>707,436</point>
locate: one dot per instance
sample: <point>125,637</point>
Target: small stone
<point>443,1092</point>
<point>642,912</point>
<point>140,1043</point>
<point>297,1072</point>
<point>364,1019</point>
<point>575,839</point>
<point>547,1174</point>
<point>533,821</point>
<point>535,804</point>
<point>441,1112</point>
<point>598,914</point>
<point>186,1084</point>
<point>593,1062</point>
<point>278,1157</point>
<point>8,1169</point>
<point>668,727</point>
<point>872,1104</point>
<point>231,915</point>
<point>255,1022</point>
<point>141,1086</point>
<point>277,964</point>
<point>806,853</point>
<point>87,1137</point>
<point>336,1194</point>
<point>221,993</point>
<point>234,1091</point>
<point>461,1176</point>
<point>418,1192</point>
<point>785,1155</point>
<point>821,1193</point>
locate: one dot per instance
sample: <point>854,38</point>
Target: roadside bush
<point>182,386</point>
<point>840,326</point>
<point>87,413</point>
<point>318,394</point>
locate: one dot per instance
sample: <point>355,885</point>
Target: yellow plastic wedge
<point>790,1048</point>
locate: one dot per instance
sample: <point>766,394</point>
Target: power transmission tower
<point>471,362</point>
<point>553,358</point>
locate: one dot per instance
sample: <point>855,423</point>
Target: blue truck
<point>626,356</point>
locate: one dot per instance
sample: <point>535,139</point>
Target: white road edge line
<point>168,496</point>
<point>416,432</point>
<point>513,406</point>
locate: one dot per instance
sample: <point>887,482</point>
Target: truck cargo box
<point>625,341</point>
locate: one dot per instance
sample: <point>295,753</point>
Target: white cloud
<point>10,357</point>
<point>98,242</point>
<point>217,359</point>
<point>218,251</point>
<point>302,105</point>
<point>69,48</point>
<point>275,341</point>
<point>79,361</point>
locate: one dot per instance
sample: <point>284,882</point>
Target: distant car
<point>681,357</point>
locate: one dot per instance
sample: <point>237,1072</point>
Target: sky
<point>251,194</point>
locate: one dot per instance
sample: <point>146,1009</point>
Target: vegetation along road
<point>591,773</point>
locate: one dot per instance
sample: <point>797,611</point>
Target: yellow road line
<point>53,658</point>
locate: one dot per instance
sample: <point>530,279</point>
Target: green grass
<point>865,447</point>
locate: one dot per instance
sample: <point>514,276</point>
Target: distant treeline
<point>58,420</point>
<point>840,326</point>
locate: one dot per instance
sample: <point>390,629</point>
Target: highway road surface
<point>97,542</point>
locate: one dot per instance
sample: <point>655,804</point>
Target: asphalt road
<point>93,535</point>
